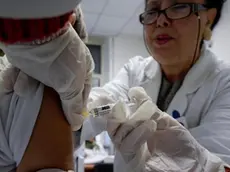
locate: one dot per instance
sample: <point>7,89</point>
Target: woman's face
<point>173,42</point>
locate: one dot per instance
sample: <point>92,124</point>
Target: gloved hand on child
<point>53,53</point>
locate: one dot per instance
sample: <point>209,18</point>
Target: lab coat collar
<point>195,77</point>
<point>200,71</point>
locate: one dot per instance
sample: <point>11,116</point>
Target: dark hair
<point>218,4</point>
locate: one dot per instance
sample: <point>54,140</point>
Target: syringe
<point>105,110</point>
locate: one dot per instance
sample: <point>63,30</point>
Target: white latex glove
<point>99,97</point>
<point>129,130</point>
<point>151,140</point>
<point>93,126</point>
<point>64,64</point>
<point>174,149</point>
<point>129,135</point>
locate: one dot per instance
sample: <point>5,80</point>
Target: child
<point>42,49</point>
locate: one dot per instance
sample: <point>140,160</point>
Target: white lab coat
<point>203,99</point>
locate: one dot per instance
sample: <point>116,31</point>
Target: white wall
<point>221,35</point>
<point>106,56</point>
<point>116,51</point>
<point>126,47</point>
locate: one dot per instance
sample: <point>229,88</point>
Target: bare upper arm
<point>51,144</point>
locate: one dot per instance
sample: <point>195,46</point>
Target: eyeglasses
<point>174,12</point>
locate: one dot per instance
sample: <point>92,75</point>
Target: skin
<point>177,56</point>
<point>51,144</point>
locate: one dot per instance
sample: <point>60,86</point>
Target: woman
<point>35,119</point>
<point>184,79</point>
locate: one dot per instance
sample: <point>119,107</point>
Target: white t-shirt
<point>18,114</point>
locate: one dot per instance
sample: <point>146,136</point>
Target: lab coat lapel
<point>179,103</point>
<point>192,82</point>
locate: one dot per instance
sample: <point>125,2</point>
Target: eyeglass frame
<point>194,8</point>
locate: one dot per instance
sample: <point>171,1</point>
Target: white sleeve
<point>23,115</point>
<point>129,76</point>
<point>18,113</point>
<point>119,86</point>
<point>213,131</point>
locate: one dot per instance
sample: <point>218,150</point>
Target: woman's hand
<point>154,141</point>
<point>173,147</point>
<point>129,129</point>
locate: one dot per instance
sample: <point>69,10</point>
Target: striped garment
<point>227,169</point>
<point>27,30</point>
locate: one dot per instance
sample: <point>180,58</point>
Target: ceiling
<point>113,17</point>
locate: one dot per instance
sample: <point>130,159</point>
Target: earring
<point>207,33</point>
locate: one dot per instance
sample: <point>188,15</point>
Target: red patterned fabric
<point>15,30</point>
<point>227,169</point>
